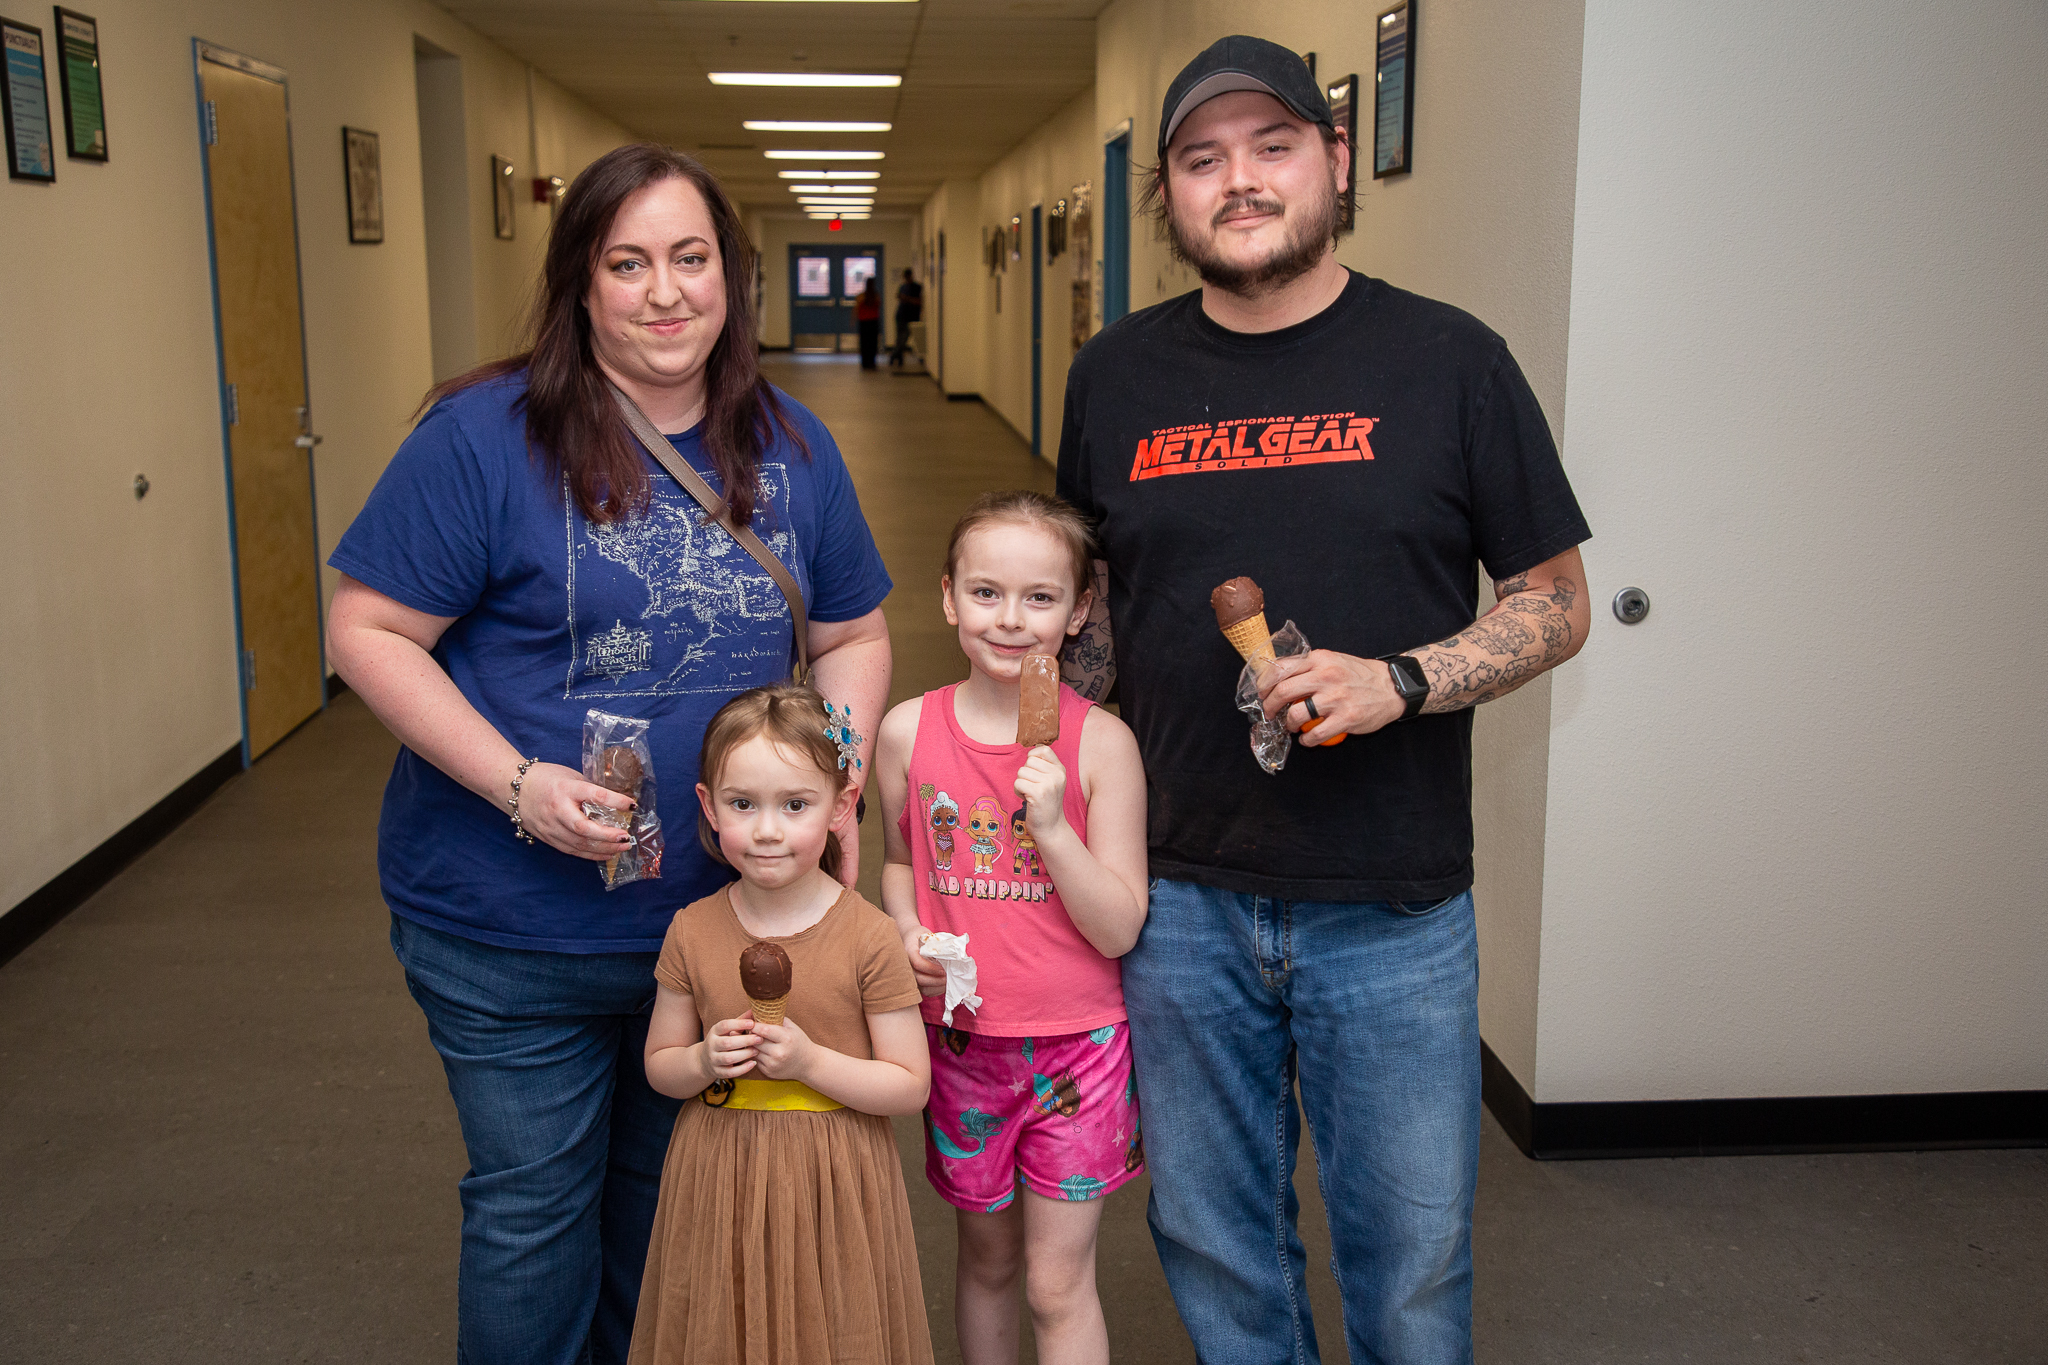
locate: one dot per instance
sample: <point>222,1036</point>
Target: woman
<point>867,315</point>
<point>523,561</point>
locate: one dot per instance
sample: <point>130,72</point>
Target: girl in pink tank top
<point>1037,858</point>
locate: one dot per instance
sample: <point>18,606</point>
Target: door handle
<point>306,442</point>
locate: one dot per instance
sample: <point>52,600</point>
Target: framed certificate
<point>78,67</point>
<point>1393,120</point>
<point>1344,113</point>
<point>363,171</point>
<point>31,151</point>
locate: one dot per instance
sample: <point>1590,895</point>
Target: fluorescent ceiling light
<point>804,78</point>
<point>823,156</point>
<point>764,125</point>
<point>830,189</point>
<point>845,217</point>
<point>828,175</point>
<point>835,203</point>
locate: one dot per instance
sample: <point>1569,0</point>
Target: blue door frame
<point>1116,228</point>
<point>1037,329</point>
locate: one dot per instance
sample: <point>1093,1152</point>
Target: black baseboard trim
<point>71,888</point>
<point>963,397</point>
<point>1753,1127</point>
<point>336,685</point>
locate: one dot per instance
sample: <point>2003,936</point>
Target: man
<point>1359,452</point>
<point>909,309</point>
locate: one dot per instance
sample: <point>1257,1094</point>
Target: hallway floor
<point>224,1137</point>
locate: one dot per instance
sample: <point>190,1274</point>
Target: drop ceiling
<point>978,77</point>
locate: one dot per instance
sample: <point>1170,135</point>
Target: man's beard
<point>1309,232</point>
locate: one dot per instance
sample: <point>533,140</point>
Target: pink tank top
<point>978,874</point>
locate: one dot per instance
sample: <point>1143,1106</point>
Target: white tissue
<point>950,952</point>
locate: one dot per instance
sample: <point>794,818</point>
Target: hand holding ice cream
<point>1240,607</point>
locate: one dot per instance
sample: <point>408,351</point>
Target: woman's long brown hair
<point>572,424</point>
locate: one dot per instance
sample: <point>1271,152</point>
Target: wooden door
<point>246,129</point>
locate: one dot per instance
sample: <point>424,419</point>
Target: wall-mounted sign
<point>1393,122</point>
<point>31,152</point>
<point>78,61</point>
<point>363,169</point>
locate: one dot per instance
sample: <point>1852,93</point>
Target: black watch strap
<point>1405,671</point>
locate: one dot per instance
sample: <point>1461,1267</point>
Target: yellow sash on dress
<point>751,1093</point>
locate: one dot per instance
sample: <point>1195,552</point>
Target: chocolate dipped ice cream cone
<point>1241,614</point>
<point>765,974</point>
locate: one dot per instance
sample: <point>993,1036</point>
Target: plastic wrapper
<point>615,755</point>
<point>1271,741</point>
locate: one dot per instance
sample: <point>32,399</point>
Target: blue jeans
<point>1375,1007</point>
<point>566,1140</point>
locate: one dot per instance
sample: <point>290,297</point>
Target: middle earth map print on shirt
<point>662,604</point>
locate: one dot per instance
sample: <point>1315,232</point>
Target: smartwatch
<point>1405,672</point>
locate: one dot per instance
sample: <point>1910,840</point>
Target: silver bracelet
<point>518,829</point>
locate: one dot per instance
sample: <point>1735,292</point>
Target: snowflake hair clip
<point>839,729</point>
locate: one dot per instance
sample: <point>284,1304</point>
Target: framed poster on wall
<point>1393,120</point>
<point>502,221</point>
<point>31,151</point>
<point>1344,111</point>
<point>78,67</point>
<point>364,172</point>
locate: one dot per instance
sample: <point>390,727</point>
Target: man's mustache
<point>1231,206</point>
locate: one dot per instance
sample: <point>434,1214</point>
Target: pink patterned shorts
<point>1057,1115</point>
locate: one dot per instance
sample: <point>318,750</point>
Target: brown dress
<point>783,1237</point>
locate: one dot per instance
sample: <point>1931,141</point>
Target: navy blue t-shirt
<point>659,617</point>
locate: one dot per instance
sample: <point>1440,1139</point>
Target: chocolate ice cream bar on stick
<point>1038,701</point>
<point>765,975</point>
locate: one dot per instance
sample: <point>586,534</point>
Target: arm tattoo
<point>1527,632</point>
<point>1088,663</point>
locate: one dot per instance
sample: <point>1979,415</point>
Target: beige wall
<point>1485,222</point>
<point>963,297</point>
<point>775,233</point>
<point>122,682</point>
<point>1795,835</point>
<point>1044,169</point>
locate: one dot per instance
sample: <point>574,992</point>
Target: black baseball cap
<point>1243,63</point>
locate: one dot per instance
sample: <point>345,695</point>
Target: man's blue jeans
<point>565,1137</point>
<point>1375,1008</point>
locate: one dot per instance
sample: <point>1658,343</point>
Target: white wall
<point>775,233</point>
<point>121,682</point>
<point>1794,841</point>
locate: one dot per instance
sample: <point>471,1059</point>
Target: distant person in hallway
<point>867,316</point>
<point>1033,1117</point>
<point>787,1024</point>
<point>521,561</point>
<point>909,309</point>
<point>1360,452</point>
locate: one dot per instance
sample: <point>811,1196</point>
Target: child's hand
<point>783,1050</point>
<point>730,1048</point>
<point>1042,782</point>
<point>931,977</point>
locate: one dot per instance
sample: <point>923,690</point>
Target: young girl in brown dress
<point>783,1235</point>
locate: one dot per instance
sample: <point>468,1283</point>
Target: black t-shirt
<point>1360,467</point>
<point>910,301</point>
